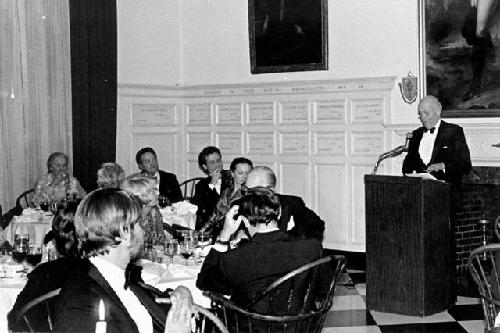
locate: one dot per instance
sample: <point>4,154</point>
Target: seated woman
<point>52,274</point>
<point>109,175</point>
<point>152,220</point>
<point>240,167</point>
<point>57,184</point>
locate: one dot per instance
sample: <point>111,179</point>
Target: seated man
<point>166,183</point>
<point>107,223</point>
<point>208,190</point>
<point>244,271</point>
<point>305,222</point>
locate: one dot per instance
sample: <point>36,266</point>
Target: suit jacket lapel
<point>437,142</point>
<point>101,281</point>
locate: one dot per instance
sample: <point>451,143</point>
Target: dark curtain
<point>94,87</point>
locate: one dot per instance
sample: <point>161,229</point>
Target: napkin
<point>152,272</point>
<point>184,208</point>
<point>29,211</point>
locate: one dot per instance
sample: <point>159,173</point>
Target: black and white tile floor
<point>349,315</point>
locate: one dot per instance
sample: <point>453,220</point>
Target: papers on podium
<point>423,175</point>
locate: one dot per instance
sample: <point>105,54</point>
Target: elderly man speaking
<point>438,148</point>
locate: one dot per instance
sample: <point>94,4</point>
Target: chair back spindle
<point>297,302</point>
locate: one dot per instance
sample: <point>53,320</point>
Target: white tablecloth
<point>25,225</point>
<point>9,289</point>
<point>179,275</point>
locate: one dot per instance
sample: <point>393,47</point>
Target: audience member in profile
<point>305,222</point>
<point>245,271</point>
<point>165,183</point>
<point>109,175</point>
<point>151,218</point>
<point>57,184</point>
<point>52,274</point>
<point>209,189</point>
<point>240,167</point>
<point>438,148</point>
<point>107,223</point>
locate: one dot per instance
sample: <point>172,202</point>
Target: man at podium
<point>438,148</point>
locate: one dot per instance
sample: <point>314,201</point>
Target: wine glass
<point>21,245</point>
<point>171,249</point>
<point>203,241</point>
<point>34,255</point>
<point>186,248</point>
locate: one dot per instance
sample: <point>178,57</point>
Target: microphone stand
<point>392,153</point>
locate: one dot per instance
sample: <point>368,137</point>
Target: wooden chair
<point>25,200</point>
<point>188,186</point>
<point>295,302</point>
<point>41,312</point>
<point>207,322</point>
<point>484,266</point>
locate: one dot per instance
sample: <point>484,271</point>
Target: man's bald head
<point>261,176</point>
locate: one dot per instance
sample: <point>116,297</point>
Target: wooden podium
<point>410,251</point>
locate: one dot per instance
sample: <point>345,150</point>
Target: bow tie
<point>430,130</point>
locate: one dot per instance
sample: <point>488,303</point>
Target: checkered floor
<point>349,315</point>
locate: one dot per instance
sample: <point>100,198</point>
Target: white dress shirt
<point>216,186</point>
<point>115,276</point>
<point>427,144</point>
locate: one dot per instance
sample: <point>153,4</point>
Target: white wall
<point>149,42</point>
<point>200,42</point>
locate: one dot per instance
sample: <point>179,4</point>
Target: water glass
<point>171,249</point>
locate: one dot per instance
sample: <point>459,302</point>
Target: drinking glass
<point>163,201</point>
<point>203,241</point>
<point>20,248</point>
<point>186,248</point>
<point>171,249</point>
<point>34,255</point>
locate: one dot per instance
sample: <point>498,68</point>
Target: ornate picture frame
<point>288,35</point>
<point>461,69</point>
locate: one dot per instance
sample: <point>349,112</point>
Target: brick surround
<point>481,200</point>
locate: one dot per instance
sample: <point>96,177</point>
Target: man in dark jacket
<point>306,223</point>
<point>166,183</point>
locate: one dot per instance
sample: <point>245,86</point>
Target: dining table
<point>34,222</point>
<point>161,276</point>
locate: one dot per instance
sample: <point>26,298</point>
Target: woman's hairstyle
<point>101,216</point>
<point>259,205</point>
<point>109,175</point>
<point>142,187</point>
<point>53,156</point>
<point>63,229</point>
<point>240,160</point>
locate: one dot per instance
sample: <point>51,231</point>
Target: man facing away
<point>244,271</point>
<point>306,223</point>
<point>166,183</point>
<point>108,226</point>
<point>438,148</point>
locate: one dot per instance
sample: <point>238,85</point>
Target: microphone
<point>394,152</point>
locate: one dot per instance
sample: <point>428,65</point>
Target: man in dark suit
<point>209,189</point>
<point>306,223</point>
<point>438,148</point>
<point>107,224</point>
<point>271,253</point>
<point>166,183</point>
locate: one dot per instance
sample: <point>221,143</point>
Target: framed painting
<point>288,35</point>
<point>460,56</point>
